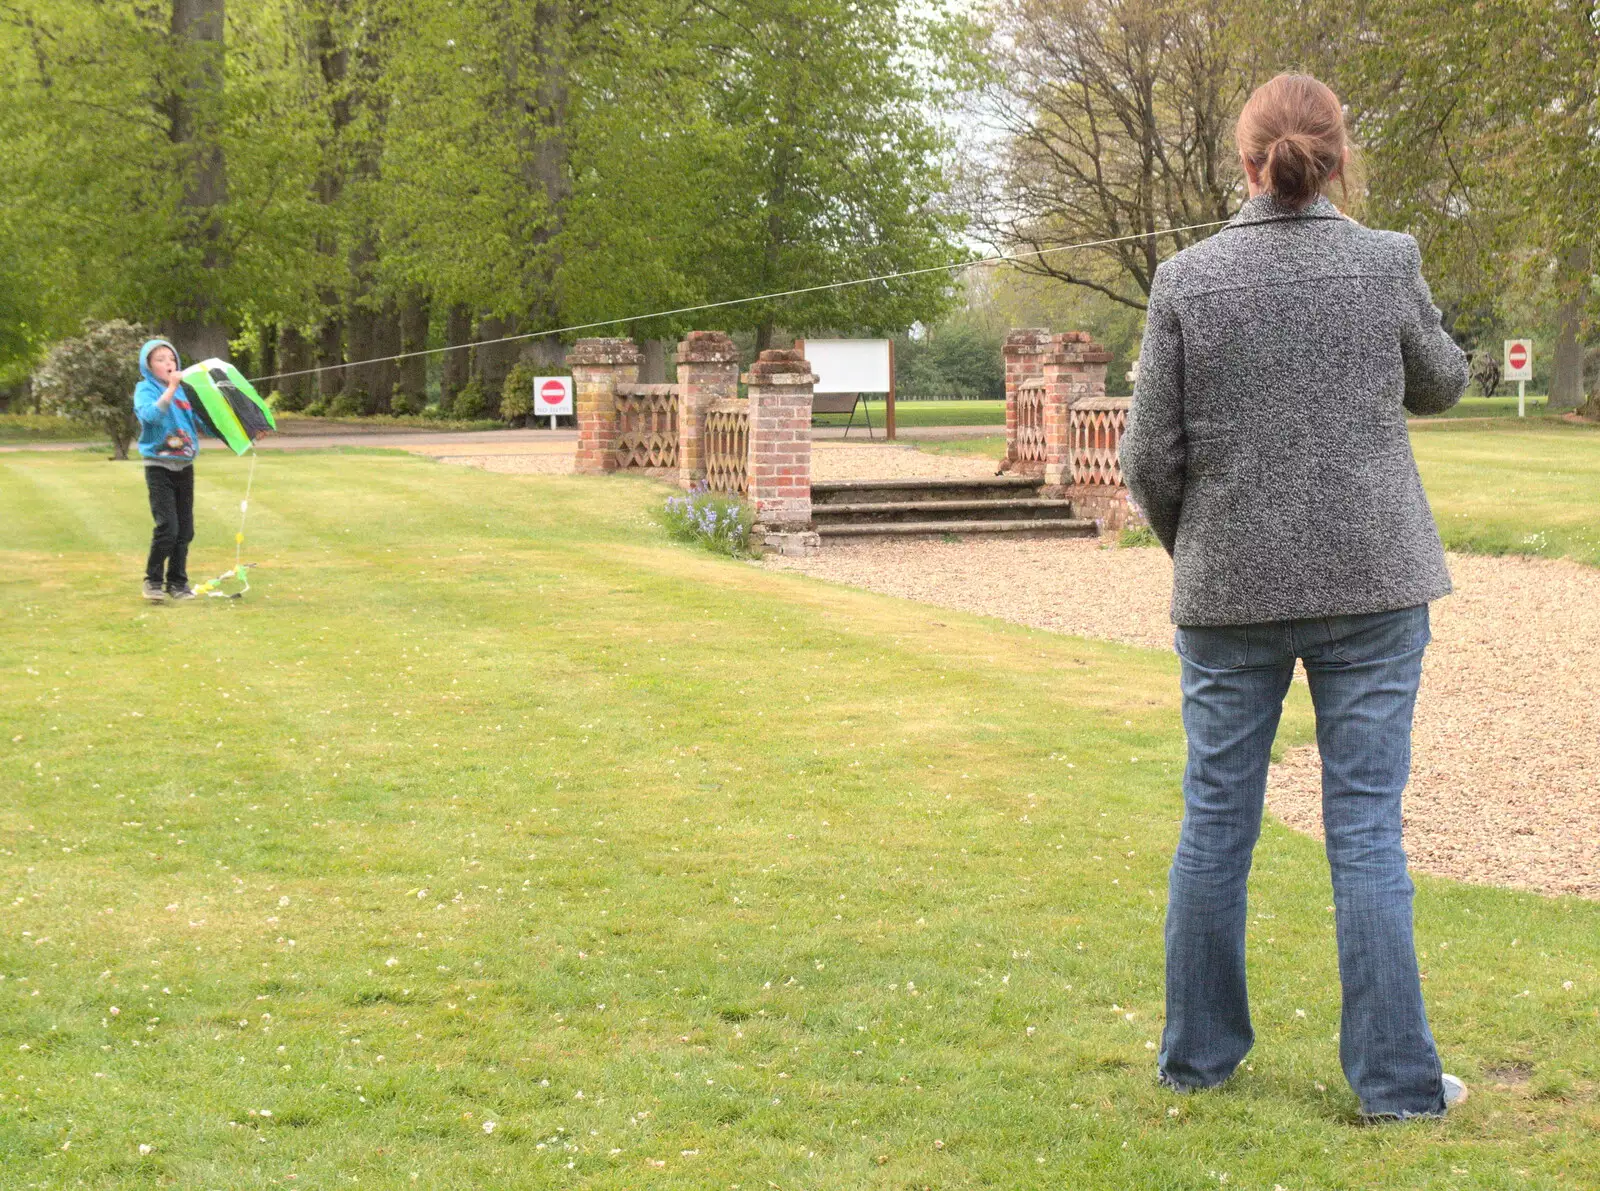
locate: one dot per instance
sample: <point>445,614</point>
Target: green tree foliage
<point>321,179</point>
<point>91,379</point>
<point>158,176</point>
<point>785,144</point>
<point>1482,128</point>
<point>954,359</point>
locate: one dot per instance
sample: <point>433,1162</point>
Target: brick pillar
<point>779,386</point>
<point>708,370</point>
<point>1074,369</point>
<point>1024,356</point>
<point>598,366</point>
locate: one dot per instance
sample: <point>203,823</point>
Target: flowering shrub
<point>717,522</point>
<point>91,379</point>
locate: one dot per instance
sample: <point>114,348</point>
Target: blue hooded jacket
<point>171,435</point>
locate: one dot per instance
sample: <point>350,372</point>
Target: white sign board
<point>849,365</point>
<point>1519,359</point>
<point>552,395</point>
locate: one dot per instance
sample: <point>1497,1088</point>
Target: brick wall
<point>779,385</point>
<point>1024,353</point>
<point>598,366</point>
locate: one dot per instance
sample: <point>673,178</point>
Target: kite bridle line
<point>1003,258</point>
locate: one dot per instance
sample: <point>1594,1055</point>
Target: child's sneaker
<point>154,593</point>
<point>181,593</point>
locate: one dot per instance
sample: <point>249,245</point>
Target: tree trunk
<point>383,374</point>
<point>294,355</point>
<point>331,377</point>
<point>653,369</point>
<point>493,361</point>
<point>333,62</point>
<point>360,332</point>
<point>1566,379</point>
<point>267,350</point>
<point>194,112</point>
<point>457,367</point>
<point>412,373</point>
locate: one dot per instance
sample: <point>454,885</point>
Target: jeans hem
<point>1390,1118</point>
<point>1185,1089</point>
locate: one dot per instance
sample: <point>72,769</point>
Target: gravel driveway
<point>1505,783</point>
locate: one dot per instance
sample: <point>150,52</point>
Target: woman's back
<point>1267,442</point>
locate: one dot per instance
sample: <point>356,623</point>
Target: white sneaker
<point>1455,1092</point>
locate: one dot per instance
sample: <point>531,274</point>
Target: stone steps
<point>857,492</point>
<point>938,508</point>
<point>1075,527</point>
<point>890,511</point>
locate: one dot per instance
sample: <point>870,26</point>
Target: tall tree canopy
<point>326,180</point>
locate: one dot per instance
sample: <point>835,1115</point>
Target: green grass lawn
<point>1510,487</point>
<point>1514,487</point>
<point>924,413</point>
<point>488,806</point>
<point>1499,406</point>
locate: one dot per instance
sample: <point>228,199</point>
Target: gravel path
<point>543,463</point>
<point>1506,779</point>
<point>849,461</point>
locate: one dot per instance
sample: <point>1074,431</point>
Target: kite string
<point>1003,258</point>
<point>244,509</point>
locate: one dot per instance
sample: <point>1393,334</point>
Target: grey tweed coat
<point>1267,442</point>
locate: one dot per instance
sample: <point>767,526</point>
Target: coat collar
<point>1264,208</point>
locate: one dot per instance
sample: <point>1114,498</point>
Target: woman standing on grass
<point>1267,445</point>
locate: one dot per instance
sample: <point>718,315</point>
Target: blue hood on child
<point>171,435</point>
<point>150,345</point>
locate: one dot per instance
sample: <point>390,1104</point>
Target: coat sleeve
<point>1436,368</point>
<point>145,396</point>
<point>1154,450</point>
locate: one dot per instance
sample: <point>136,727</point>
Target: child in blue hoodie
<point>169,439</point>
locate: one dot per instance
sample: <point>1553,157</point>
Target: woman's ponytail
<point>1292,131</point>
<point>1291,171</point>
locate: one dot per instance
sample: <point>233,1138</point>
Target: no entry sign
<point>1519,359</point>
<point>552,395</point>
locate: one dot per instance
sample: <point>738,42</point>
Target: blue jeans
<point>1363,672</point>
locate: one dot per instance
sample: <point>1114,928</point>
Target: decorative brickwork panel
<point>647,426</point>
<point>1097,426</point>
<point>708,372</point>
<point>1028,439</point>
<point>727,446</point>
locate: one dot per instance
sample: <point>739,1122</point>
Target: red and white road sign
<point>552,395</point>
<point>1519,359</point>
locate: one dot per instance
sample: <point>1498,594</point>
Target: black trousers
<point>172,505</point>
